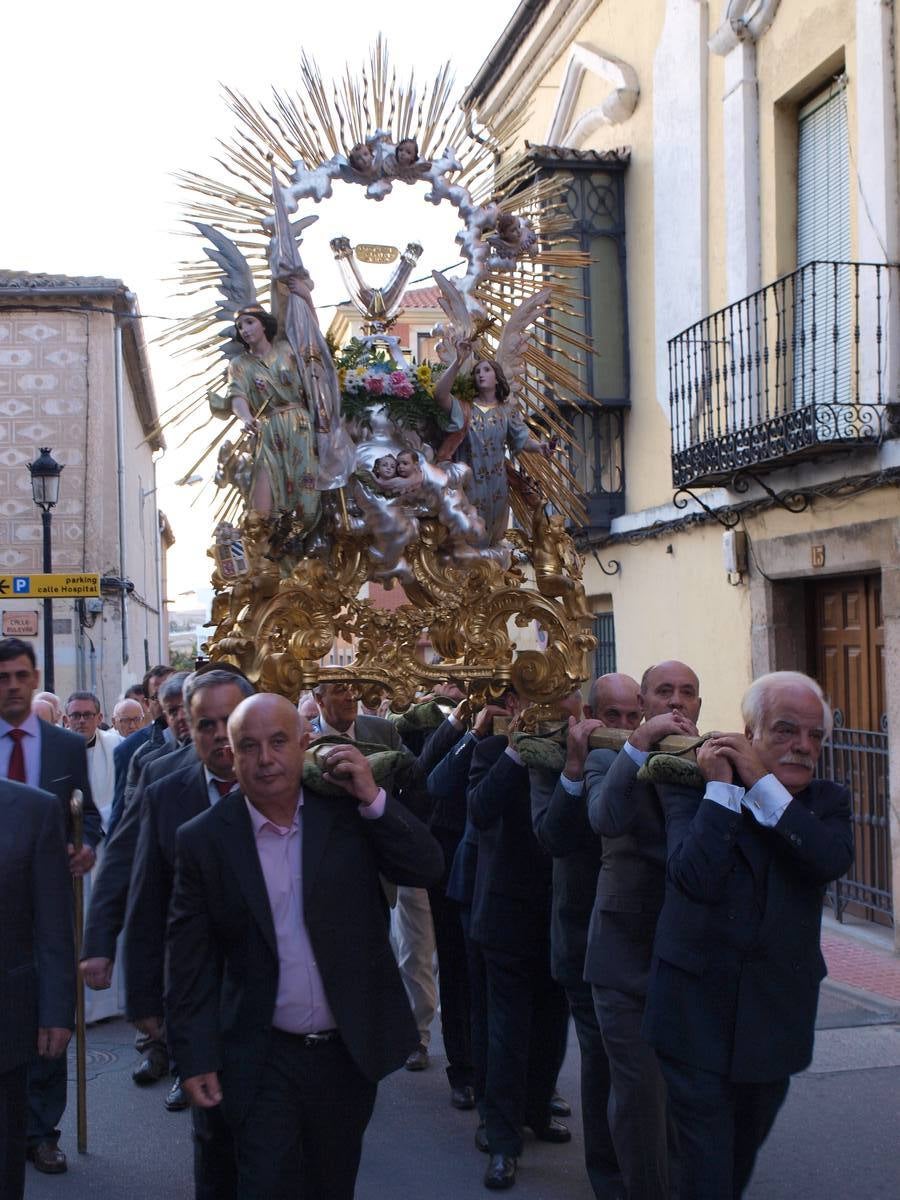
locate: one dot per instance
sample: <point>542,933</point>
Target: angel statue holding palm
<point>282,386</point>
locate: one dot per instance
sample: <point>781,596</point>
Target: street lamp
<point>45,472</point>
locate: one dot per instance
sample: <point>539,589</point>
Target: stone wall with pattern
<point>43,402</point>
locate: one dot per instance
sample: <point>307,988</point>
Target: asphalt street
<point>836,1137</point>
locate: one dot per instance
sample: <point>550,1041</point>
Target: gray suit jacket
<point>37,947</point>
<point>64,768</point>
<point>106,912</point>
<point>631,884</point>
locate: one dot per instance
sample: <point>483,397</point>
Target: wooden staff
<point>77,809</point>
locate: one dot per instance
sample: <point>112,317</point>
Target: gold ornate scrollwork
<point>278,631</point>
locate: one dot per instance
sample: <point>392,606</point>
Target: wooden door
<point>848,647</point>
<point>847,657</point>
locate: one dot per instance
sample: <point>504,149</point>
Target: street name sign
<point>30,586</point>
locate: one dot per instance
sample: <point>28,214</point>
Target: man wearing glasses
<point>83,715</point>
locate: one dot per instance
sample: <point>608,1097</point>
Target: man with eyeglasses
<point>106,912</point>
<point>128,716</point>
<point>83,715</point>
<point>209,699</point>
<point>734,985</point>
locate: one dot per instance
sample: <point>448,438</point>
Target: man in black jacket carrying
<point>734,986</point>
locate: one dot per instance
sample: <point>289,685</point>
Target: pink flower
<point>400,384</point>
<point>375,385</point>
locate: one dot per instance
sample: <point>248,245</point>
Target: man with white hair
<point>735,979</point>
<point>51,707</point>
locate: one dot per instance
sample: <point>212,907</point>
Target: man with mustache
<point>735,979</point>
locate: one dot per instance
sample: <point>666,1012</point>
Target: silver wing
<point>453,304</point>
<point>236,284</point>
<point>511,347</point>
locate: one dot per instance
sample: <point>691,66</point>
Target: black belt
<point>322,1038</point>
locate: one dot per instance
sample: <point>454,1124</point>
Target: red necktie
<point>17,757</point>
<point>224,787</point>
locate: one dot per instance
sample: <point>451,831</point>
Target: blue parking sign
<point>21,584</point>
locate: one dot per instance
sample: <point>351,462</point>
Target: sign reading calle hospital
<point>27,587</point>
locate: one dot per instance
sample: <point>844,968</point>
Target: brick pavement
<point>859,964</point>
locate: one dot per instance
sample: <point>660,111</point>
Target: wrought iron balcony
<point>795,370</point>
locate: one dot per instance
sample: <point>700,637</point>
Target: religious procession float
<point>340,467</point>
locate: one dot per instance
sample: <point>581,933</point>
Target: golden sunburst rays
<point>322,118</point>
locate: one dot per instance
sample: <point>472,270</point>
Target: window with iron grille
<point>605,654</point>
<point>594,202</point>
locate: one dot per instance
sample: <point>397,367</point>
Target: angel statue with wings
<point>281,385</point>
<point>491,424</point>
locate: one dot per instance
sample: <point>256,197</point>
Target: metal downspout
<point>120,476</point>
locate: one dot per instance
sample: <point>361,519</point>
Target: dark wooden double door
<point>846,655</point>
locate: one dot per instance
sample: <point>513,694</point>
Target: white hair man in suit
<point>734,985</point>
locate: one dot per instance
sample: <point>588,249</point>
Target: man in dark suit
<point>106,911</point>
<point>284,1002</point>
<point>176,732</point>
<point>411,926</point>
<point>527,1015</point>
<point>210,699</point>
<point>37,957</point>
<point>154,733</point>
<point>45,756</point>
<point>626,813</point>
<point>560,819</point>
<point>736,968</point>
<point>448,784</point>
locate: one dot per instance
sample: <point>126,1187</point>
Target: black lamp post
<point>45,472</point>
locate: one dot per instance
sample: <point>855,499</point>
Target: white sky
<point>103,101</point>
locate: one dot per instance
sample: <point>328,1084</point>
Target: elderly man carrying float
<point>736,970</point>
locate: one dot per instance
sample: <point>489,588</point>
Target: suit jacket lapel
<point>316,821</point>
<point>240,851</point>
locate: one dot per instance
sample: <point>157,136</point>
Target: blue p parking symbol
<point>21,585</point>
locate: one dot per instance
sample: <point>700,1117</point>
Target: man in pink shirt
<point>284,1001</point>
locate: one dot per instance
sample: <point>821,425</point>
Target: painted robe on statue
<point>286,440</point>
<point>489,432</point>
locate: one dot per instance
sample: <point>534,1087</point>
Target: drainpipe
<point>120,472</point>
<point>157,559</point>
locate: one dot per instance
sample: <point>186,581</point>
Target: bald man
<point>284,1001</point>
<point>627,814</point>
<point>128,717</point>
<point>559,816</point>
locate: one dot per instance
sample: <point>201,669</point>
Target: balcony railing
<point>795,370</point>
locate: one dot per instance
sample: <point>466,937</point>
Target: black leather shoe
<point>501,1172</point>
<point>553,1131</point>
<point>47,1157</point>
<point>418,1060</point>
<point>462,1097</point>
<point>176,1100</point>
<point>151,1069</point>
<point>560,1107</point>
<point>481,1142</point>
